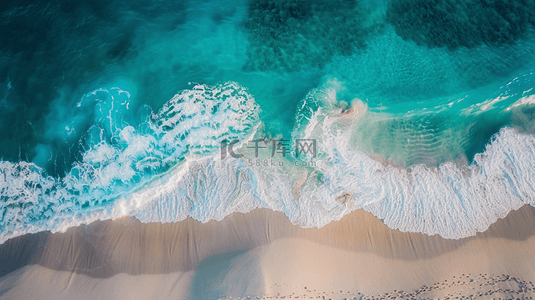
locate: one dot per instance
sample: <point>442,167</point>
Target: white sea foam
<point>528,100</point>
<point>451,200</point>
<point>120,158</point>
<point>174,171</point>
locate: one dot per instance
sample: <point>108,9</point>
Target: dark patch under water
<point>461,23</point>
<point>292,34</point>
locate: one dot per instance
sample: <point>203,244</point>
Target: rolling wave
<point>169,167</point>
<point>120,158</point>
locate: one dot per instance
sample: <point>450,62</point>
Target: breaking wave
<point>120,158</point>
<point>169,167</point>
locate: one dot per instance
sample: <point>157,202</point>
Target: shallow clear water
<point>88,130</point>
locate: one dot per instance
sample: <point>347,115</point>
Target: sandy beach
<point>261,254</point>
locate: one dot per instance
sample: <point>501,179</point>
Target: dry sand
<point>261,254</point>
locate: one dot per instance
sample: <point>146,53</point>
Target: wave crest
<point>120,158</point>
<point>172,171</point>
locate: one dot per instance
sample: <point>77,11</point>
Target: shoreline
<point>262,254</point>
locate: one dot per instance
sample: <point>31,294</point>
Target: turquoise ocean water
<point>112,108</point>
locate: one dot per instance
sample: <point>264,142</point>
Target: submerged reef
<point>290,34</point>
<point>461,23</point>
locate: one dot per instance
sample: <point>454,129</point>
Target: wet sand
<point>261,254</point>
